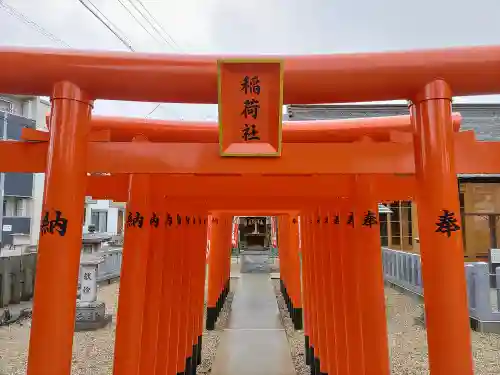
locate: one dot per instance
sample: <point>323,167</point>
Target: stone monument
<point>90,313</point>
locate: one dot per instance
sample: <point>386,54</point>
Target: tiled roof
<point>484,119</point>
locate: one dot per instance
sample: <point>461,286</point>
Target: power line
<point>149,32</point>
<point>151,24</point>
<point>108,20</point>
<point>137,20</point>
<point>110,26</point>
<point>24,19</point>
<point>160,105</point>
<point>158,23</point>
<point>153,110</point>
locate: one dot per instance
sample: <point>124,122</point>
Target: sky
<point>247,27</point>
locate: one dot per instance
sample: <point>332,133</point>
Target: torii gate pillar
<point>50,347</point>
<point>447,317</point>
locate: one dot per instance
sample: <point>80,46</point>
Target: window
<point>99,218</point>
<point>16,207</point>
<point>395,225</point>
<point>407,243</point>
<point>20,207</point>
<point>384,235</point>
<point>401,226</point>
<point>480,211</point>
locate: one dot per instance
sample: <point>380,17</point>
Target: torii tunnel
<point>331,175</point>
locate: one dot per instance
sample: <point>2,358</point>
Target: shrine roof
<point>484,119</point>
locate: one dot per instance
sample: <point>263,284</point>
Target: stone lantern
<point>90,313</point>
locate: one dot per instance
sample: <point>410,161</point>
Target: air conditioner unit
<point>6,106</point>
<point>90,200</point>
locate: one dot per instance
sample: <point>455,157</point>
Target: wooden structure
<point>479,194</point>
<point>253,232</point>
<point>172,178</point>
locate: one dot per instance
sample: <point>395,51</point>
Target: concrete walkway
<point>254,342</point>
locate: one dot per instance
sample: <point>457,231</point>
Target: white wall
<point>17,104</point>
<point>112,224</point>
<point>36,209</point>
<point>113,220</point>
<point>37,111</point>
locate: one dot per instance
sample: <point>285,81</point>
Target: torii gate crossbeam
<point>162,78</point>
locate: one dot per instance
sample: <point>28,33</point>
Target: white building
<point>23,192</point>
<point>22,198</point>
<point>106,216</point>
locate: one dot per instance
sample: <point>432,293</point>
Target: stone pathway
<point>254,342</point>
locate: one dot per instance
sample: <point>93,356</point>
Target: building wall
<point>402,230</point>
<point>18,187</point>
<point>483,119</point>
<point>37,110</point>
<point>38,187</point>
<point>481,218</point>
<point>30,111</point>
<point>480,201</point>
<point>113,215</point>
<point>480,215</point>
<point>11,104</point>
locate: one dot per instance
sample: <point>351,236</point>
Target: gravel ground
<point>92,350</point>
<point>407,340</point>
<point>211,339</point>
<point>295,338</point>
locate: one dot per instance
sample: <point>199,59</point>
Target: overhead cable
<point>158,23</point>
<point>107,23</point>
<point>35,26</point>
<point>155,28</point>
<point>139,22</point>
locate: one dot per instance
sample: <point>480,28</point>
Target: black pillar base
<point>225,292</point>
<point>194,359</point>
<point>307,350</point>
<point>211,318</point>
<point>214,312</point>
<point>189,366</point>
<point>219,304</point>
<point>297,318</point>
<point>317,366</point>
<point>312,359</point>
<point>200,342</point>
<point>295,313</point>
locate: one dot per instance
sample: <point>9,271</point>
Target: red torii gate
<point>74,79</point>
